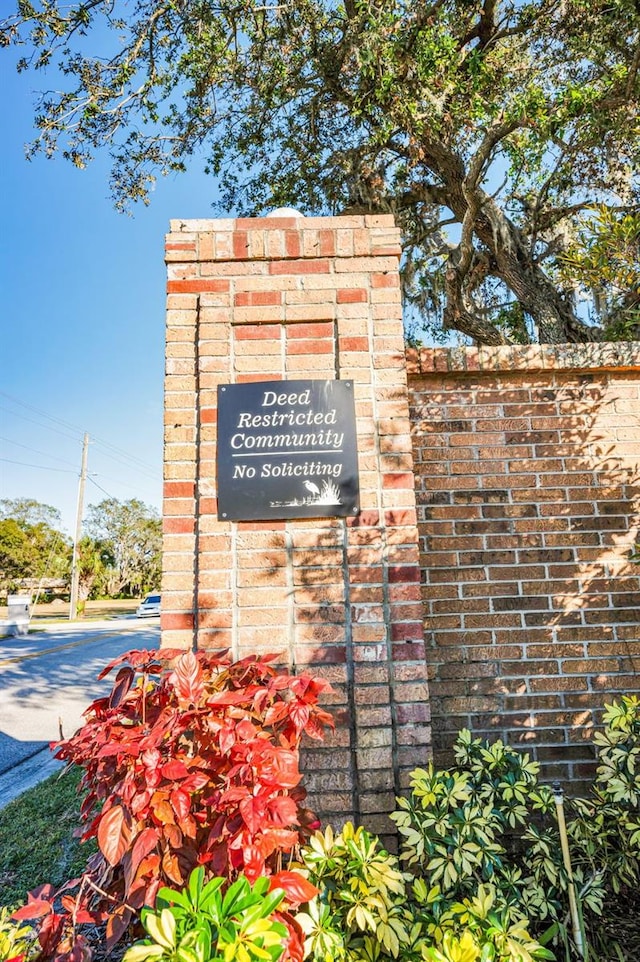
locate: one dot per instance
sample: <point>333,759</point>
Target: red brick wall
<point>527,465</point>
<point>526,469</point>
<point>281,298</point>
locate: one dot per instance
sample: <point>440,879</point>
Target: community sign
<point>287,449</point>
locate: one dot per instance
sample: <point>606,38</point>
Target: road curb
<point>27,774</point>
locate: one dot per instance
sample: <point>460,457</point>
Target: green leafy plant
<point>605,828</point>
<point>360,908</point>
<point>368,910</point>
<point>458,830</point>
<point>190,760</point>
<point>17,942</point>
<point>201,923</point>
<point>618,774</point>
<point>489,826</point>
<point>475,929</point>
<point>603,258</point>
<point>455,824</point>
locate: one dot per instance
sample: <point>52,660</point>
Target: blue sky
<point>82,297</point>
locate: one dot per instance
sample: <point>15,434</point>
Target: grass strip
<point>37,844</point>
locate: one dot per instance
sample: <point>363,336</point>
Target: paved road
<point>47,679</point>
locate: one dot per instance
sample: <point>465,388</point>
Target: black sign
<point>287,449</point>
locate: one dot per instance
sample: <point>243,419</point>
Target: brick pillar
<point>289,298</point>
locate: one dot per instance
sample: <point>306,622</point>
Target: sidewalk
<point>23,765</point>
<point>47,679</point>
<point>62,627</point>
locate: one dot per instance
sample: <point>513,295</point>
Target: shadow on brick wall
<point>528,498</point>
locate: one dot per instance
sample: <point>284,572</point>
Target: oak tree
<point>502,134</point>
<point>128,537</point>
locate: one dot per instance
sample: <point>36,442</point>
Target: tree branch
<point>458,317</point>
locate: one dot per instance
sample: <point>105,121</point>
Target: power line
<point>130,462</point>
<point>124,456</point>
<point>119,481</point>
<point>64,434</point>
<point>74,427</point>
<point>31,407</point>
<point>35,450</point>
<point>95,483</point>
<point>44,467</point>
<point>153,476</point>
<point>100,488</point>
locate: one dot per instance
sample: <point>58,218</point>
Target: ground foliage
<point>191,770</point>
<point>486,877</point>
<point>490,129</point>
<point>190,760</point>
<point>489,820</point>
<point>206,923</point>
<point>37,833</point>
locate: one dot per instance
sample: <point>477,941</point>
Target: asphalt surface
<point>47,680</point>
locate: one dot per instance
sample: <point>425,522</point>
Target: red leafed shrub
<point>191,760</point>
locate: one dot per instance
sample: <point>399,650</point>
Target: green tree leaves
<point>201,924</point>
<point>489,129</point>
<point>130,538</point>
<point>120,554</point>
<point>31,547</point>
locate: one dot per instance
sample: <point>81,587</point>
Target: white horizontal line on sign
<point>269,452</point>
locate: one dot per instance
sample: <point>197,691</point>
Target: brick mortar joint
<point>607,356</point>
<point>196,225</point>
<point>301,256</point>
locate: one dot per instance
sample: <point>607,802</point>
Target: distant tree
<point>95,569</point>
<point>16,554</point>
<point>130,538</point>
<point>490,128</point>
<point>31,548</point>
<point>27,511</point>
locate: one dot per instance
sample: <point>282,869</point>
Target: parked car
<point>150,606</point>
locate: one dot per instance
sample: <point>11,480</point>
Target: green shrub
<point>605,830</point>
<point>489,822</point>
<point>458,827</point>
<point>475,929</point>
<point>200,923</point>
<point>361,905</point>
<point>368,910</point>
<point>190,760</point>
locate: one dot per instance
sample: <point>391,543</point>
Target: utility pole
<point>75,574</point>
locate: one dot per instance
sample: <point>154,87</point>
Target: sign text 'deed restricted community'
<point>287,449</point>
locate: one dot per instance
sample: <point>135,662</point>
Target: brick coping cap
<point>231,224</point>
<point>617,356</point>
